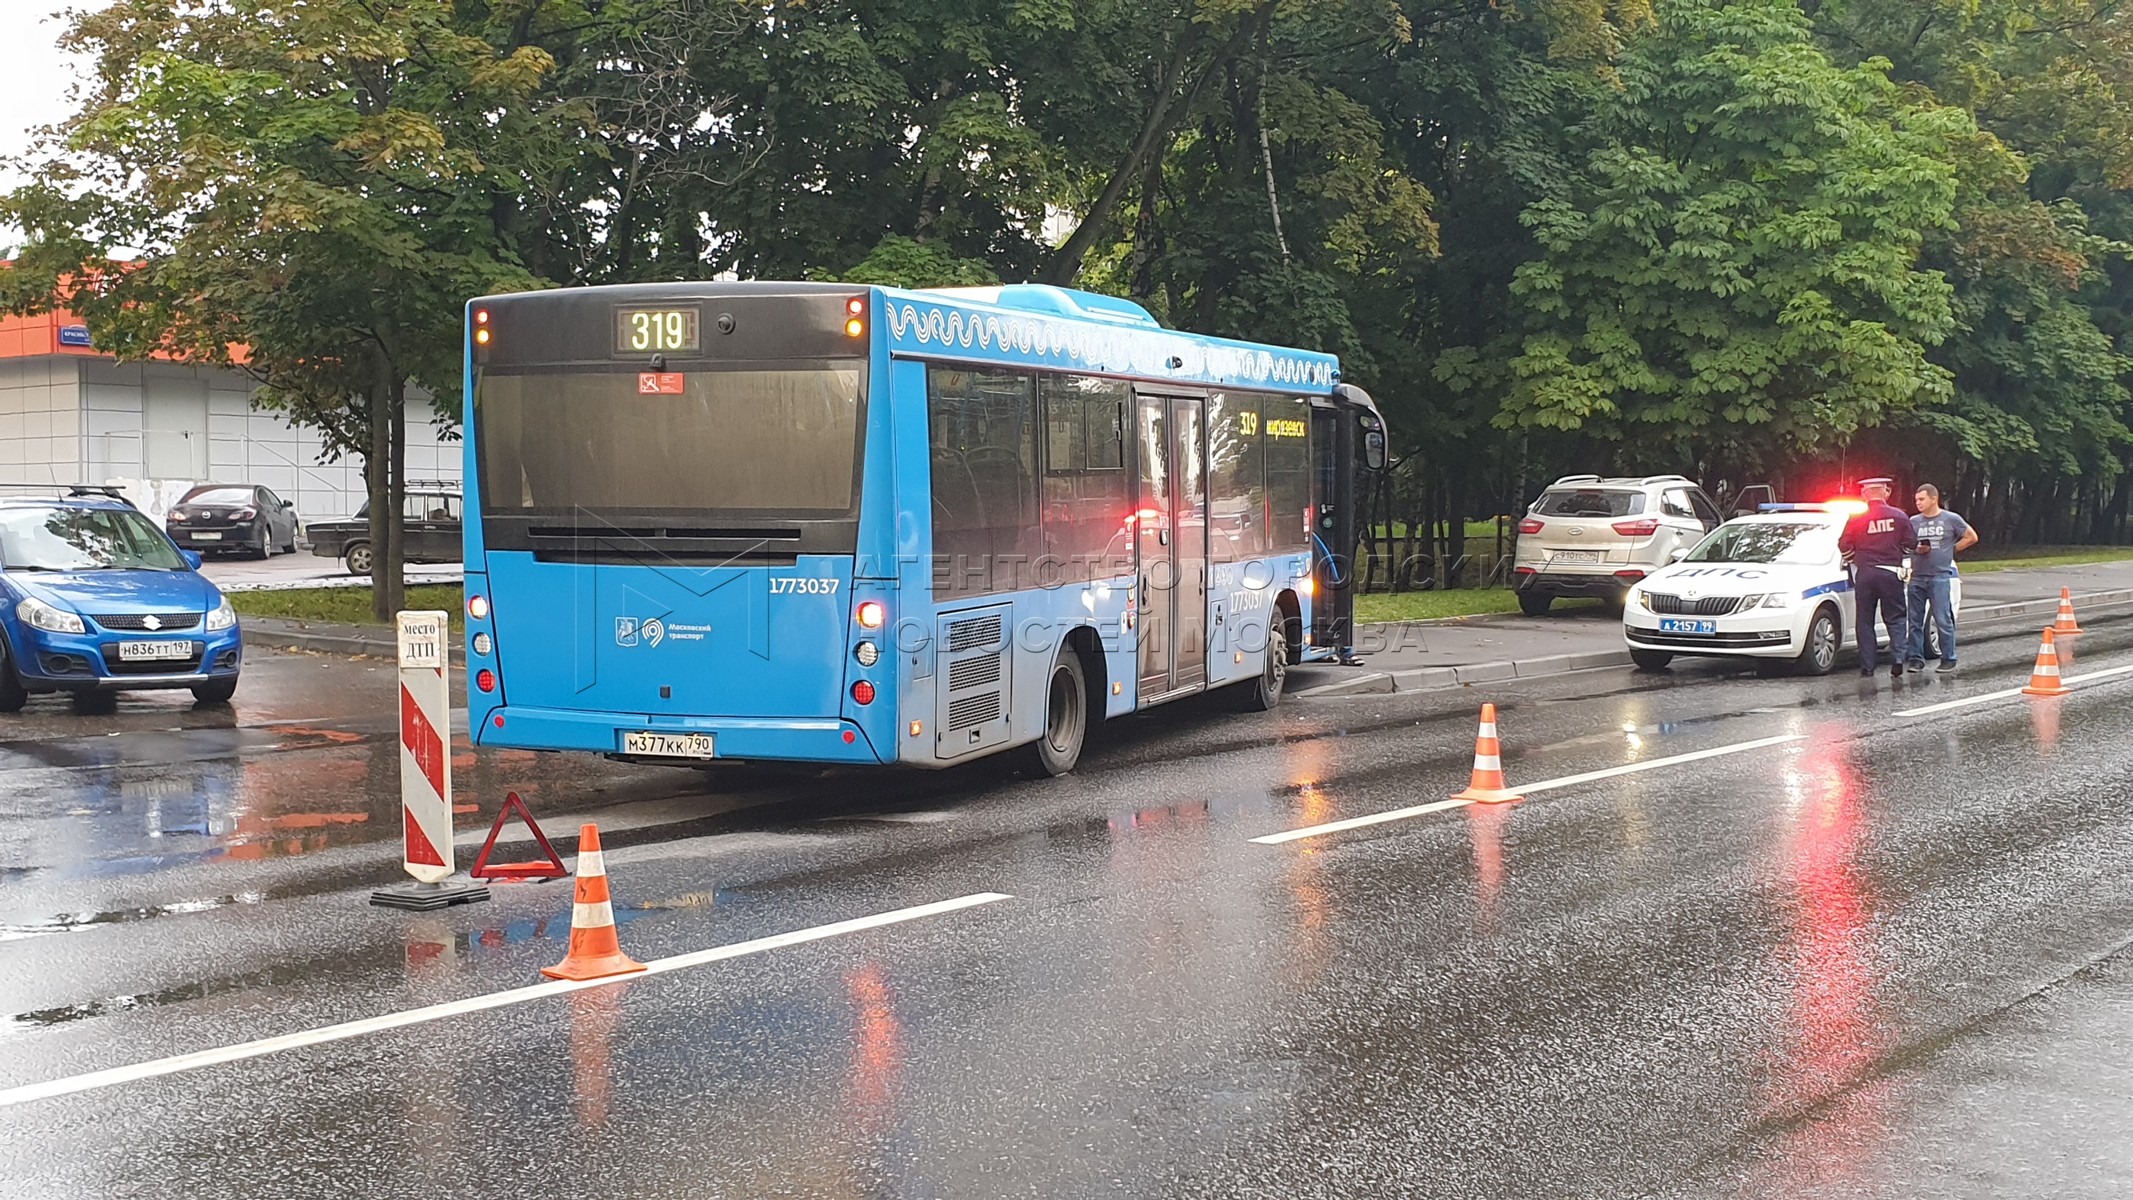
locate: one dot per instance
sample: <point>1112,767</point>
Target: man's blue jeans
<point>1929,598</point>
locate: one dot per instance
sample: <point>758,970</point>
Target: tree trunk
<point>1166,109</point>
<point>1455,531</point>
<point>377,469</point>
<point>1147,230</point>
<point>392,563</point>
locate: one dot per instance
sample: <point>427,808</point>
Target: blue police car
<point>95,599</point>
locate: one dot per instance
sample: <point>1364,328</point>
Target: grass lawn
<point>1476,531</point>
<point>1466,602</point>
<point>346,606</point>
<point>2018,557</point>
<point>1451,602</point>
<point>351,606</point>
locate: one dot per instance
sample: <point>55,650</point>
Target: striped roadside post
<point>426,770</point>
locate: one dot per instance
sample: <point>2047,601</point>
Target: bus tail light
<point>1305,587</point>
<point>478,607</point>
<point>872,614</point>
<point>863,692</point>
<point>485,679</point>
<point>855,316</point>
<point>867,653</point>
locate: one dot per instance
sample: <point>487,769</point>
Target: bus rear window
<point>783,441</point>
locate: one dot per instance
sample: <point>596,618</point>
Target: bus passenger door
<point>1188,546</point>
<point>1171,524</point>
<point>1151,522</point>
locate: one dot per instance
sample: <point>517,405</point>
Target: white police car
<point>1771,587</point>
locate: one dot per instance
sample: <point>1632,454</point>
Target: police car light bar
<point>1833,506</point>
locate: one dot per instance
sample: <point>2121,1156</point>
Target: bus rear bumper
<point>783,739</point>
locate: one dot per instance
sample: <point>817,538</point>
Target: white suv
<point>1588,536</point>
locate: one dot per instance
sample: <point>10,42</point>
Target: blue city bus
<point>844,524</point>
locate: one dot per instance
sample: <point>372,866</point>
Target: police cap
<point>1879,481</point>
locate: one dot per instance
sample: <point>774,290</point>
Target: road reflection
<point>594,1014</point>
<point>877,1050</point>
<point>1828,1035</point>
<point>1484,828</point>
<point>2044,721</point>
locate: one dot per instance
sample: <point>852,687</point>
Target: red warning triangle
<point>523,871</point>
<point>419,847</point>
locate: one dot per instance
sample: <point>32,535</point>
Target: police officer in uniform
<point>1875,543</point>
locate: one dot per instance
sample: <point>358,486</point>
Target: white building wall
<point>40,421</point>
<point>243,445</point>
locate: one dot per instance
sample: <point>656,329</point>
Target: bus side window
<point>984,454</point>
<point>1286,432</point>
<point>1084,481</point>
<point>1236,494</point>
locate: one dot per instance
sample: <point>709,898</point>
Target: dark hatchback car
<point>429,522</point>
<point>242,518</point>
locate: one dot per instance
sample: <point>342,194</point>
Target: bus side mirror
<point>1374,449</point>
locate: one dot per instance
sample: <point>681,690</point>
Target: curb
<point>416,577</point>
<point>351,641</point>
<point>1429,679</point>
<point>358,641</point>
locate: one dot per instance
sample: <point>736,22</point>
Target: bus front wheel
<point>1066,716</point>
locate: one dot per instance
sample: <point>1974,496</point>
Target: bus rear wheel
<point>1263,693</point>
<point>1066,716</point>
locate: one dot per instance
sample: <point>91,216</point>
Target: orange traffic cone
<point>2066,623</point>
<point>594,952</point>
<point>2044,677</point>
<point>1487,785</point>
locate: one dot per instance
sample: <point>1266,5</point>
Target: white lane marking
<point>1675,760</point>
<point>1965,702</point>
<point>472,1004</point>
<point>1988,697</point>
<point>1402,814</point>
<point>1398,814</point>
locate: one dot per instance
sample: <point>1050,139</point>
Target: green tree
<point>308,191</point>
<point>1733,275</point>
<point>2035,439</point>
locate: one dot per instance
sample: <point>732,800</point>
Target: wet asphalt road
<point>1887,959</point>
